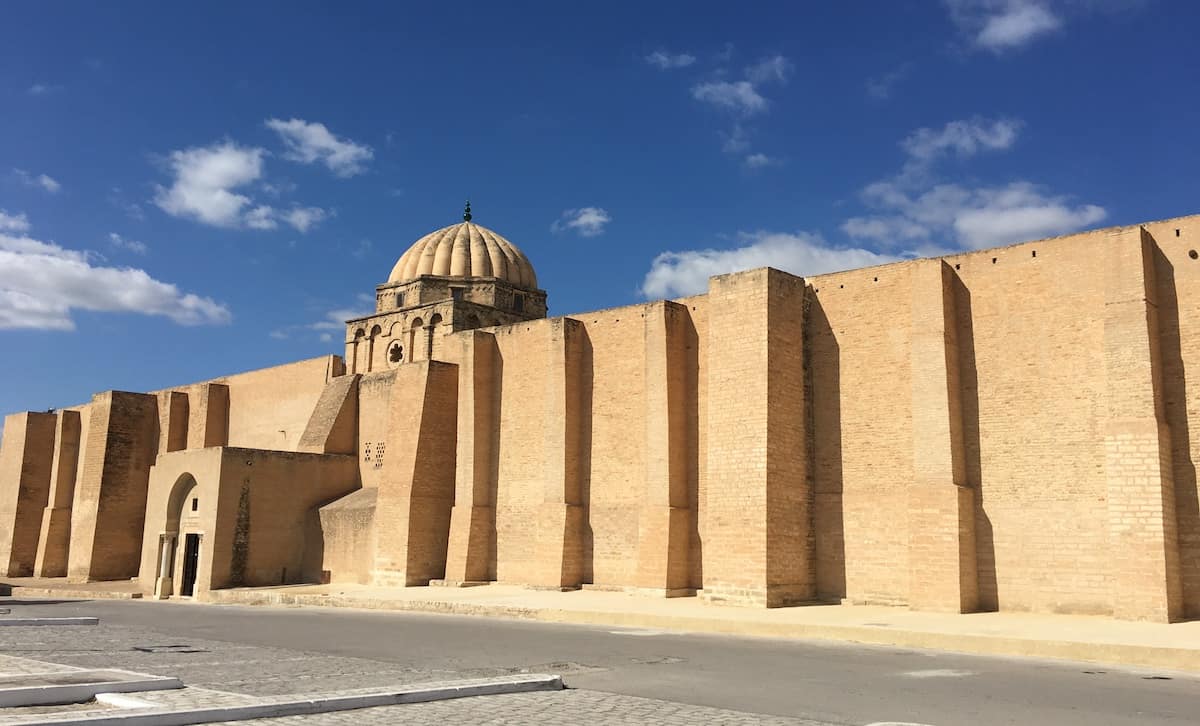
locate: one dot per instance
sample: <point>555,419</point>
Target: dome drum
<point>490,291</point>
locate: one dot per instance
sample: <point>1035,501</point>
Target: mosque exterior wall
<point>1003,429</point>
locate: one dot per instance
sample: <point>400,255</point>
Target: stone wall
<point>1002,429</point>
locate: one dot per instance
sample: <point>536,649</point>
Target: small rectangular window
<point>399,299</point>
<point>519,303</point>
<point>456,293</point>
<point>195,504</point>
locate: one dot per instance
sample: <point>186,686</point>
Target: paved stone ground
<point>219,673</point>
<point>209,664</point>
<point>546,707</point>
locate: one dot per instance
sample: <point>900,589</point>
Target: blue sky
<point>193,190</point>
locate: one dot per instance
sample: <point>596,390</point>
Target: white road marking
<point>938,673</point>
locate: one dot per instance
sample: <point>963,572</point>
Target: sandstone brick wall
<point>859,355</point>
<point>1002,429</point>
<point>1177,278</point>
<point>1036,326</point>
<point>26,457</point>
<point>269,408</point>
<point>108,510</point>
<point>344,548</point>
<point>416,489</point>
<point>374,401</point>
<point>266,500</point>
<point>613,449</point>
<point>696,341</point>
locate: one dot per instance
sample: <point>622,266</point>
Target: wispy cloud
<point>41,283</point>
<point>663,60</point>
<point>586,221</point>
<point>209,185</point>
<point>739,96</point>
<point>964,138</point>
<point>304,218</point>
<point>760,161</point>
<point>1001,25</point>
<point>675,274</point>
<point>127,244</point>
<point>311,142</point>
<point>43,89</point>
<point>331,322</point>
<point>914,210</point>
<point>41,181</point>
<point>772,69</point>
<point>13,222</point>
<point>883,86</point>
<point>744,97</point>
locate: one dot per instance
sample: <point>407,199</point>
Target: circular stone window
<point>395,355</point>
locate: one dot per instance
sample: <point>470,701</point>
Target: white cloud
<point>774,69</point>
<point>1020,212</point>
<point>42,89</point>
<point>205,180</point>
<point>41,283</point>
<point>760,161</point>
<point>41,180</point>
<point>969,217</point>
<point>127,244</point>
<point>304,218</point>
<point>261,217</point>
<point>738,96</point>
<point>965,138</point>
<point>13,222</point>
<point>1000,25</point>
<point>587,221</point>
<point>309,142</point>
<point>333,320</point>
<point>914,208</point>
<point>666,61</point>
<point>676,274</point>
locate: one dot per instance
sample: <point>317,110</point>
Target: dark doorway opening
<point>191,560</point>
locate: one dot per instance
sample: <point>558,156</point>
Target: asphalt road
<point>839,683</point>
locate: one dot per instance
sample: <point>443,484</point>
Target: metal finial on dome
<point>467,212</point>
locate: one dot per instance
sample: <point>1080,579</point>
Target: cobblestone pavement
<point>218,673</point>
<point>546,707</point>
<point>208,664</point>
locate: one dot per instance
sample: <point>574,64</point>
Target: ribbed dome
<point>465,250</point>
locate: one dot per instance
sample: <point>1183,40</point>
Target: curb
<point>304,707</point>
<point>98,682</point>
<point>1141,656</point>
<point>49,621</point>
<point>20,591</point>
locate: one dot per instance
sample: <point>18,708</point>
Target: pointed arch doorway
<point>179,557</point>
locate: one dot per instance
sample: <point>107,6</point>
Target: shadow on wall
<point>691,399</point>
<point>985,546</point>
<point>493,478</point>
<point>823,362</point>
<point>1174,396</point>
<point>586,384</point>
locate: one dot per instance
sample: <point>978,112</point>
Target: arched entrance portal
<point>179,558</point>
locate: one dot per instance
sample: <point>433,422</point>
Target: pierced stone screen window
<point>379,448</point>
